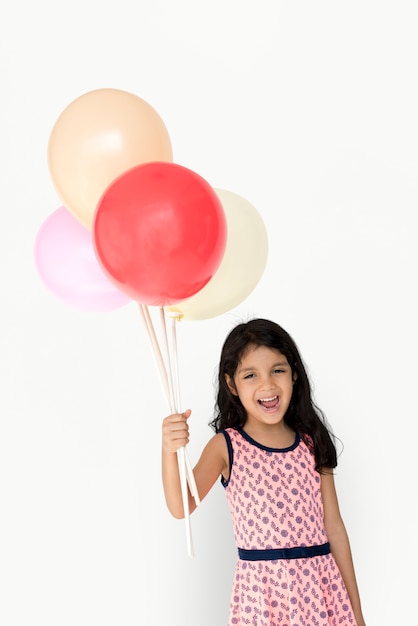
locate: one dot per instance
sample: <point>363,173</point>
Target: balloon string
<point>175,361</point>
<point>156,348</point>
<point>189,471</point>
<point>185,470</point>
<point>172,400</point>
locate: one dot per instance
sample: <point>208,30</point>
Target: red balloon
<point>160,233</point>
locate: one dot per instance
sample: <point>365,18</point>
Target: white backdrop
<point>309,111</point>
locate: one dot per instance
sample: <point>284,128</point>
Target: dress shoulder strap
<point>227,435</point>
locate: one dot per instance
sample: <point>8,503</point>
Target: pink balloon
<point>67,264</point>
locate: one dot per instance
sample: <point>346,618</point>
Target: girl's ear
<point>231,384</point>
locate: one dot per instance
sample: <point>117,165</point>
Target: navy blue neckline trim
<point>259,445</point>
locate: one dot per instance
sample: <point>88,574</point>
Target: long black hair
<point>302,415</point>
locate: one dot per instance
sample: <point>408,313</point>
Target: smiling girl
<point>275,456</point>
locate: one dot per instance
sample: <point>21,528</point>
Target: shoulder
<point>217,449</point>
<point>219,439</point>
<point>216,453</point>
<point>211,464</point>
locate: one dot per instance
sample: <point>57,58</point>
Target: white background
<point>309,111</point>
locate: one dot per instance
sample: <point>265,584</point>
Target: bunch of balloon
<point>160,234</point>
<point>158,229</point>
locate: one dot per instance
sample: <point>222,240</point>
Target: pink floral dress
<point>285,573</point>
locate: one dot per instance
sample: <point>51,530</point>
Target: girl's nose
<point>266,382</point>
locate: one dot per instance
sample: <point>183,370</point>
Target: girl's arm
<point>212,463</point>
<point>340,545</point>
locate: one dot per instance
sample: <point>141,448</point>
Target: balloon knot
<point>175,314</point>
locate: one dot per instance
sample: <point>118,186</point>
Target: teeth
<point>267,399</point>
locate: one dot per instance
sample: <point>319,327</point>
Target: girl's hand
<point>175,431</point>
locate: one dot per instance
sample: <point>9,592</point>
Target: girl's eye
<point>278,371</point>
<point>249,376</point>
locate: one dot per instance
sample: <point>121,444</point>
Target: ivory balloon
<point>99,136</point>
<point>242,265</point>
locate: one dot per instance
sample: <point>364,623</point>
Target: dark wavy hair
<point>302,415</point>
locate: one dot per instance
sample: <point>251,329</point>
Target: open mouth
<point>269,403</point>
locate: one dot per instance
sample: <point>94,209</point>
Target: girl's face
<point>263,381</point>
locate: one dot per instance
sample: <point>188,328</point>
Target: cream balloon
<point>241,268</point>
<point>98,137</point>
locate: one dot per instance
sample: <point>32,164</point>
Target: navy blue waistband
<point>299,552</point>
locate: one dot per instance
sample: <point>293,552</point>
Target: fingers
<point>175,431</point>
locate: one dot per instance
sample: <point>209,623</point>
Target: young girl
<point>275,458</point>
